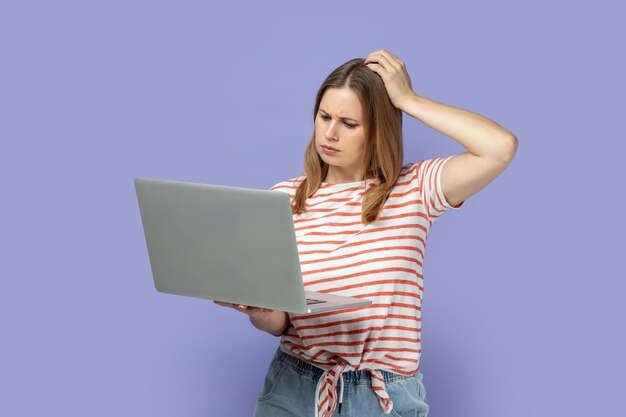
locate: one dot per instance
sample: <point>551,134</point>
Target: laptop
<point>230,244</point>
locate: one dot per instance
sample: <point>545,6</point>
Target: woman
<point>361,220</point>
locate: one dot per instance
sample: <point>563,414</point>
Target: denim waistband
<point>361,376</point>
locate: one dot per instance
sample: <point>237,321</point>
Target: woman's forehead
<point>341,102</point>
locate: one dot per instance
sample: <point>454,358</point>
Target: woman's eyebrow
<point>342,118</point>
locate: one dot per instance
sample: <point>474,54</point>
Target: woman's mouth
<point>328,150</point>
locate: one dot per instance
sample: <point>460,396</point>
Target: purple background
<point>523,309</point>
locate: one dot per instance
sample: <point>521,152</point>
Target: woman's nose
<point>330,131</point>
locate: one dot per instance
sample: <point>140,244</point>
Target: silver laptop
<point>231,244</point>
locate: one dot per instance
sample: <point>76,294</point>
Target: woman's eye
<point>350,126</point>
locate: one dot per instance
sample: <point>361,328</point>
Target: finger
<point>243,308</point>
<point>382,63</point>
<point>261,310</point>
<point>391,57</point>
<point>374,57</point>
<point>251,309</point>
<point>230,305</point>
<point>388,60</point>
<point>377,68</point>
<point>224,303</point>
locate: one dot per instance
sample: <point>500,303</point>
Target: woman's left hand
<point>393,72</point>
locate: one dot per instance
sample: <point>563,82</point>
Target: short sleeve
<point>275,186</point>
<point>427,174</point>
<point>288,187</point>
<point>284,186</point>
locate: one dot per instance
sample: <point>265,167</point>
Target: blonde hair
<point>383,153</point>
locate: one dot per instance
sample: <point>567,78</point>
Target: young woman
<point>361,220</point>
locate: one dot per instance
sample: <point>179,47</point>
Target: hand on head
<point>394,74</point>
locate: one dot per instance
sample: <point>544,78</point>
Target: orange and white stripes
<point>381,261</point>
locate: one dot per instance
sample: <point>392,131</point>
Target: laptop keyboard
<point>313,301</point>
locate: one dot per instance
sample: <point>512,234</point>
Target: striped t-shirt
<point>381,262</point>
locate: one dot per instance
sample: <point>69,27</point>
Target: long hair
<point>383,152</point>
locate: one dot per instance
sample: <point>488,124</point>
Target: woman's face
<point>339,123</point>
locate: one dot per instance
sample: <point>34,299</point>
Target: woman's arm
<point>275,322</point>
<point>490,147</point>
<point>479,135</point>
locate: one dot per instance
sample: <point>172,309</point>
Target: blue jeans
<point>289,391</point>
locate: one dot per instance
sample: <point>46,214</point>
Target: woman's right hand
<point>249,310</point>
<point>275,322</point>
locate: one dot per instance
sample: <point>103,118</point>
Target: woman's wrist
<point>274,323</point>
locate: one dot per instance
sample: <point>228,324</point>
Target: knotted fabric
<point>326,400</point>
